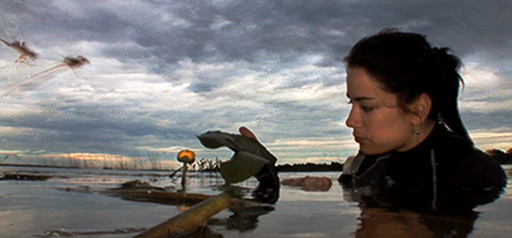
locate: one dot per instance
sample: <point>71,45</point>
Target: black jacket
<point>443,172</point>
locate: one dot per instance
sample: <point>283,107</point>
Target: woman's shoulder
<point>452,147</point>
<point>458,160</point>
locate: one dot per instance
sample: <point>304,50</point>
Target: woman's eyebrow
<point>360,98</point>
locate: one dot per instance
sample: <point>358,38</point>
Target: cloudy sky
<point>162,72</point>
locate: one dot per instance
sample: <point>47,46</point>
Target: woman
<point>413,147</point>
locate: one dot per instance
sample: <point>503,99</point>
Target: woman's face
<point>379,125</point>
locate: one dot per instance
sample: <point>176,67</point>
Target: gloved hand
<point>251,158</point>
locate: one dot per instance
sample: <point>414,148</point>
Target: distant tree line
<point>205,165</point>
<point>333,166</point>
<point>500,156</point>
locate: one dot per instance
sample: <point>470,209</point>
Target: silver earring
<point>416,131</point>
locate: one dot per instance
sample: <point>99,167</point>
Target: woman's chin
<point>367,150</point>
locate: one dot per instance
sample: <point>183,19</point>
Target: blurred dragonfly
<point>37,79</point>
<point>71,62</point>
<point>21,47</point>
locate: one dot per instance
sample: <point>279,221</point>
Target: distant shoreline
<point>308,167</point>
<point>503,158</point>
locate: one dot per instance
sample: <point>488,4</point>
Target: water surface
<point>36,208</point>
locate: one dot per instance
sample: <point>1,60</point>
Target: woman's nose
<point>351,120</point>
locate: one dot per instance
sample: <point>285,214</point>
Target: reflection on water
<point>245,219</point>
<point>378,222</point>
<point>390,219</point>
<point>508,192</point>
<point>32,208</point>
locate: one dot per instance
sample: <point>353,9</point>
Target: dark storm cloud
<point>238,30</point>
<point>487,120</point>
<point>90,128</point>
<point>241,30</point>
<point>263,48</point>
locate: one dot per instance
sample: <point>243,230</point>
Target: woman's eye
<point>367,109</point>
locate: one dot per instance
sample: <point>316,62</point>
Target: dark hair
<point>406,65</point>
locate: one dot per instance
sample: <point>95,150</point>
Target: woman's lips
<point>358,139</point>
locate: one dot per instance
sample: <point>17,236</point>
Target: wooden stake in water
<point>189,220</point>
<point>186,157</point>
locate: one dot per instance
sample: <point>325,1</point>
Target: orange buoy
<point>186,156</point>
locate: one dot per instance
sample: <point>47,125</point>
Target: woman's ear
<point>420,109</point>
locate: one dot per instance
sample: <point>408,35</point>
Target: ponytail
<point>448,91</point>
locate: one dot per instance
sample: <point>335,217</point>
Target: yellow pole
<point>184,178</point>
<point>189,220</point>
<point>186,157</point>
